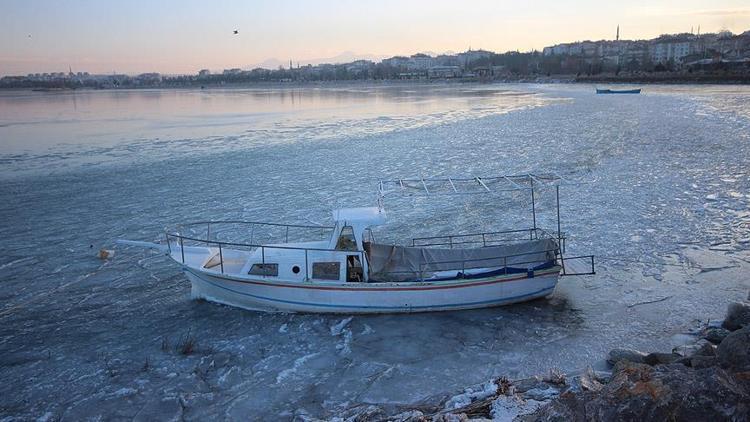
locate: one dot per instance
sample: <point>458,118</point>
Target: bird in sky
<point>236,31</point>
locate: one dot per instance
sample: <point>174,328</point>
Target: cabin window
<point>265,270</point>
<point>325,270</point>
<point>346,241</point>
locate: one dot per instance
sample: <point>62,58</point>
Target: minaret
<point>290,64</point>
<point>617,38</point>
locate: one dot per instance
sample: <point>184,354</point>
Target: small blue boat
<point>618,91</point>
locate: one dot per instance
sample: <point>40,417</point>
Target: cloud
<point>717,12</point>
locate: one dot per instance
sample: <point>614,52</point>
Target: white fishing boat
<point>346,271</point>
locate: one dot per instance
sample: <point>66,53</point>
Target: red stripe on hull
<point>377,289</point>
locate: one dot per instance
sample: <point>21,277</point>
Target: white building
<point>663,52</point>
<point>557,50</point>
<point>421,61</point>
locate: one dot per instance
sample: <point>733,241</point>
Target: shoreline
<point>648,79</point>
<point>707,378</point>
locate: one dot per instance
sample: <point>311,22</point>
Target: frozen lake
<point>666,190</point>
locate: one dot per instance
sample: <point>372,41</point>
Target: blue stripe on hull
<point>491,302</point>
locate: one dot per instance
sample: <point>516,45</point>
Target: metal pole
<point>533,204</point>
<point>182,250</point>
<point>559,234</point>
<point>562,264</point>
<point>221,259</point>
<point>307,275</point>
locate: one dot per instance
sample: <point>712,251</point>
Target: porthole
<point>295,269</point>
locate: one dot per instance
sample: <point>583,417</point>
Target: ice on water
<point>667,189</point>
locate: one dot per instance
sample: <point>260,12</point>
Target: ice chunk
<point>283,375</point>
<point>336,329</point>
<point>471,395</point>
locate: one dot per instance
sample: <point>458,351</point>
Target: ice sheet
<point>81,337</point>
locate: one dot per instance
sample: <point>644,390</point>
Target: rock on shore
<point>703,382</point>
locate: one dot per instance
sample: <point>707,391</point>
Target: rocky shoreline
<point>706,379</point>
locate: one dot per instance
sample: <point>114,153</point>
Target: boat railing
<point>206,227</point>
<point>476,262</point>
<point>484,238</point>
<point>180,240</point>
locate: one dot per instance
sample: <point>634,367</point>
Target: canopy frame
<point>446,185</point>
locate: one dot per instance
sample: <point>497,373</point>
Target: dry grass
<point>555,376</point>
<point>187,344</point>
<point>165,347</point>
<point>503,385</point>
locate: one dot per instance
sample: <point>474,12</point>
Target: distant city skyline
<point>185,36</point>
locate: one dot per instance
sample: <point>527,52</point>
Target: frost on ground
<point>667,189</point>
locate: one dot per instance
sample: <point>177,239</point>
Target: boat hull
<point>618,91</point>
<point>366,298</point>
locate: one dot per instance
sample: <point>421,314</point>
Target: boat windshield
<point>346,241</point>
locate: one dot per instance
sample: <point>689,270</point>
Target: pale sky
<point>183,36</point>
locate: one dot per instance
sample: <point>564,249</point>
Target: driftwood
<point>650,301</point>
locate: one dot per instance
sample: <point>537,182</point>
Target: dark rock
<point>734,351</point>
<point>698,362</point>
<point>617,355</point>
<point>655,393</point>
<point>660,358</point>
<point>684,361</point>
<point>738,316</point>
<point>715,335</point>
<point>705,349</point>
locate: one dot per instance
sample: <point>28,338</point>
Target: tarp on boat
<point>396,263</point>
